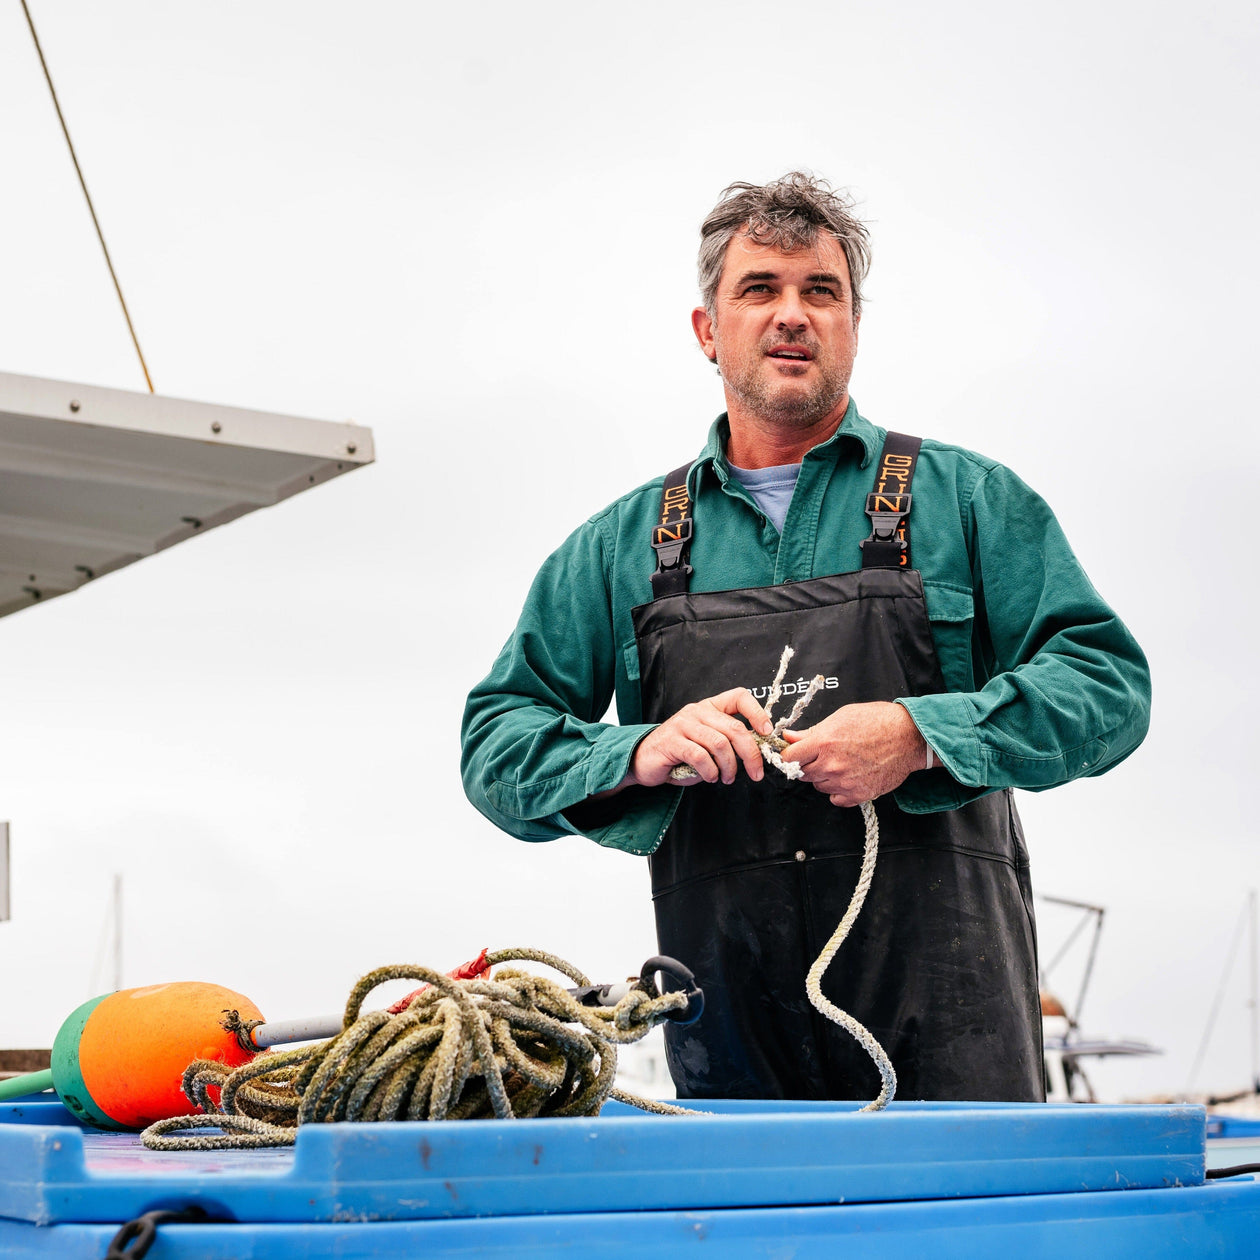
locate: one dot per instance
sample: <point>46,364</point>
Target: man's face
<point>783,334</point>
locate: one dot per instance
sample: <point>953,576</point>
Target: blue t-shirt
<point>771,488</point>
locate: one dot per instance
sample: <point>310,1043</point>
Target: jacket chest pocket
<point>629,698</point>
<point>630,661</point>
<point>951,613</point>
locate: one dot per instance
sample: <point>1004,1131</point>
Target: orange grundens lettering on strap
<point>675,501</point>
<point>888,505</point>
<point>895,472</point>
<point>899,503</point>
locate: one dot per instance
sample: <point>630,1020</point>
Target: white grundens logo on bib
<point>799,687</point>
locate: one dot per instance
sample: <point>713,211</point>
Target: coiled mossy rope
<point>499,1046</point>
<point>507,1045</point>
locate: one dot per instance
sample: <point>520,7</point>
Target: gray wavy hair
<point>788,215</point>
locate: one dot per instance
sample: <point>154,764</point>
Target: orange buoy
<point>119,1060</point>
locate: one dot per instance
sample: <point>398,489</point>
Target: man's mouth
<point>794,354</point>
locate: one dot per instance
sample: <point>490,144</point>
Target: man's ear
<point>702,326</point>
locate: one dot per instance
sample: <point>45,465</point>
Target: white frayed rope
<point>771,746</point>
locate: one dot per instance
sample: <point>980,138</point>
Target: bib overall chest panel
<point>751,878</point>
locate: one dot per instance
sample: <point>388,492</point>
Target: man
<point>964,653</point>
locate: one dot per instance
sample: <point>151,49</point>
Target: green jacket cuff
<point>636,819</point>
<point>945,722</point>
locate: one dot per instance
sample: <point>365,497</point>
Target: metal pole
<point>1255,999</point>
<point>4,871</point>
<point>1220,996</point>
<point>1089,962</point>
<point>118,932</point>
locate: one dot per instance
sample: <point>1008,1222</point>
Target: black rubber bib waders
<point>751,879</point>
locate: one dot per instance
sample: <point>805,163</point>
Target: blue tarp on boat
<point>781,1179</point>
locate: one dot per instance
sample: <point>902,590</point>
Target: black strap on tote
<point>888,505</point>
<point>671,538</point>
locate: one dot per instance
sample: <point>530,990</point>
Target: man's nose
<point>790,313</point>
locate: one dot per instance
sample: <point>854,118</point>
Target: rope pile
<point>514,1044</point>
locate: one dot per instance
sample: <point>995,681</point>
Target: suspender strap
<point>671,539</point>
<point>888,505</point>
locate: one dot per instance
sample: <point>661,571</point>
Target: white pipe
<point>277,1032</point>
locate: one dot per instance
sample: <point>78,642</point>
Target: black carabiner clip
<point>684,982</point>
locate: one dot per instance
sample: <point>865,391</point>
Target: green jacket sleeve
<point>533,744</point>
<point>1065,689</point>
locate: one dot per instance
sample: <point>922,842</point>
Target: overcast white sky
<point>473,230</point>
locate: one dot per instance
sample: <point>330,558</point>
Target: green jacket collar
<point>853,428</point>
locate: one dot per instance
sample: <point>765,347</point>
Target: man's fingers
<point>741,700</point>
<point>745,746</point>
<point>710,715</point>
<point>690,753</point>
<point>846,768</point>
<point>753,764</point>
<point>718,745</point>
<point>846,797</point>
<point>827,783</point>
<point>803,753</point>
<point>758,719</point>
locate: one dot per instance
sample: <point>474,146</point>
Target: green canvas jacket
<point>1044,682</point>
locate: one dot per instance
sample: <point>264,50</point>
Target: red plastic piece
<point>465,971</point>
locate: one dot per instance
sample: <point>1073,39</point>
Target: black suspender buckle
<point>670,542</point>
<point>888,513</point>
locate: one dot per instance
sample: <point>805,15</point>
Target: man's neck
<point>757,442</point>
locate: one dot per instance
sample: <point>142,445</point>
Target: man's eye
<point>757,288</point>
<point>822,288</point>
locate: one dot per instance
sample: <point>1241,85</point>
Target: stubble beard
<point>784,402</point>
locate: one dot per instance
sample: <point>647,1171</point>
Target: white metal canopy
<point>94,479</point>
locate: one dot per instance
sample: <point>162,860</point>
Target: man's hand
<point>707,737</point>
<point>858,753</point>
